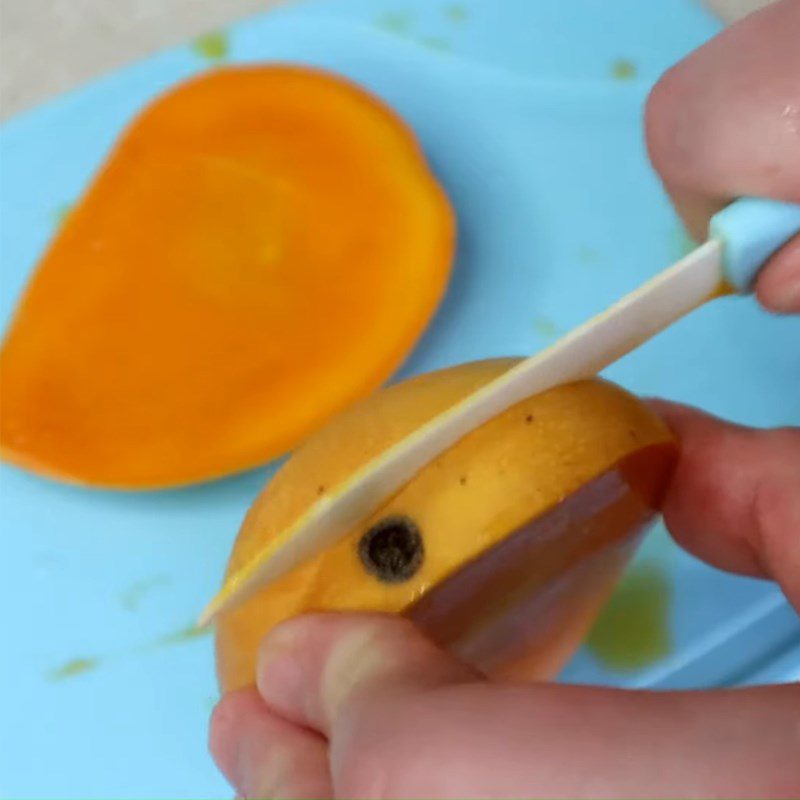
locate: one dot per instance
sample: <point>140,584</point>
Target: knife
<point>742,238</point>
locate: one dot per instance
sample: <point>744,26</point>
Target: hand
<point>364,706</point>
<point>725,123</point>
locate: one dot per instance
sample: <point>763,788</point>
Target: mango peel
<point>503,549</point>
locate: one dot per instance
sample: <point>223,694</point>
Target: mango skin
<point>572,475</point>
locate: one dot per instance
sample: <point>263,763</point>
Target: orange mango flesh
<point>564,482</point>
<point>263,247</point>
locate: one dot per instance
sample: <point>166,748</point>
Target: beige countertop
<point>48,46</point>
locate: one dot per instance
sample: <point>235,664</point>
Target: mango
<point>503,549</point>
<point>263,247</point>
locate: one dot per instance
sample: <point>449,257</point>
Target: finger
<point>735,497</point>
<point>563,741</point>
<point>778,286</point>
<point>263,755</point>
<point>406,721</point>
<point>725,121</point>
<point>312,667</point>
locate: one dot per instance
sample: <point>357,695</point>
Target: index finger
<point>725,123</point>
<point>735,498</point>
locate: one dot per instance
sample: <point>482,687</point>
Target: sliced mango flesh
<point>263,247</point>
<point>503,548</point>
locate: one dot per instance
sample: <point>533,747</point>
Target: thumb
<point>403,719</point>
<point>311,669</point>
<point>353,678</point>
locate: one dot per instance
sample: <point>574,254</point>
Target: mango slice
<point>503,549</point>
<point>263,247</point>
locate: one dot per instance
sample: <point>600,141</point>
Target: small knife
<point>742,238</point>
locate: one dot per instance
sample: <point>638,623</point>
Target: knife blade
<point>743,237</point>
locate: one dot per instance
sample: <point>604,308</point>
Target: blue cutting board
<point>530,112</point>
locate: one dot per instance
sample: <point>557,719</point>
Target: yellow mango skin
<point>518,467</point>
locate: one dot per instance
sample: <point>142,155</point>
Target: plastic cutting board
<point>530,112</point>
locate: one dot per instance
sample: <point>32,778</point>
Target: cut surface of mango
<point>263,246</point>
<point>502,549</point>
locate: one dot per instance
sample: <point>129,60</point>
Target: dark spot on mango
<point>392,549</point>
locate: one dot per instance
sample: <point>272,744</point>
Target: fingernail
<point>280,675</point>
<point>307,666</point>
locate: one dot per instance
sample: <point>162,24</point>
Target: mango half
<point>503,549</point>
<point>262,248</point>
